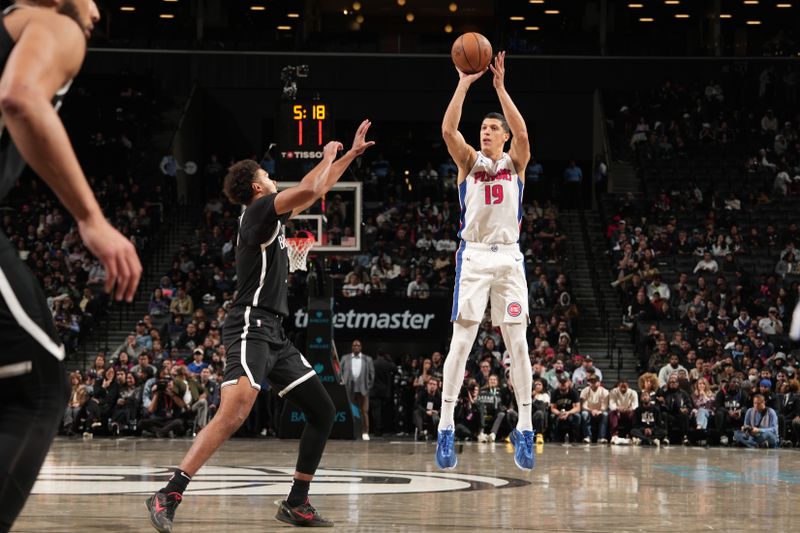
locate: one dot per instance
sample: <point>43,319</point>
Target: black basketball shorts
<point>257,347</point>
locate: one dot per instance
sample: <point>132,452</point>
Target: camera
<point>161,385</point>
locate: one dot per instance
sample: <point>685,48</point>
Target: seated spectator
<point>125,413</point>
<point>540,409</point>
<point>565,409</point>
<point>468,418</point>
<point>648,427</point>
<point>77,401</point>
<point>622,403</point>
<point>492,404</point>
<point>130,347</point>
<point>104,398</point>
<point>418,288</point>
<point>594,404</point>
<point>670,369</point>
<point>707,264</point>
<point>581,375</point>
<point>760,427</point>
<point>163,416</point>
<point>353,287</point>
<point>182,304</point>
<point>158,305</point>
<point>676,407</point>
<point>197,366</point>
<point>704,403</point>
<point>730,402</point>
<point>144,367</point>
<point>375,288</point>
<point>771,324</point>
<point>427,409</point>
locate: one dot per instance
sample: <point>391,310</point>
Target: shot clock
<point>305,127</point>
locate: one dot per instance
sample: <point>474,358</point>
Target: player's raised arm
<point>462,153</point>
<point>338,168</point>
<point>520,151</point>
<point>311,186</point>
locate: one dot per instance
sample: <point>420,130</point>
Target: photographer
<point>760,427</point>
<point>468,415</point>
<point>166,407</point>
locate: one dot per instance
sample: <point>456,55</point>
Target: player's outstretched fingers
<point>135,267</point>
<point>111,273</point>
<point>124,278</point>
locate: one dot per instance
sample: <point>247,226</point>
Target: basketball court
<point>101,485</point>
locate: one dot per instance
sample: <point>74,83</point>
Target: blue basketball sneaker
<point>523,448</point>
<point>445,452</point>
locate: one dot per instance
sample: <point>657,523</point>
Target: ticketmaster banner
<point>383,318</point>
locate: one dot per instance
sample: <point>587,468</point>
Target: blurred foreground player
<point>42,45</point>
<point>257,347</point>
<point>489,263</point>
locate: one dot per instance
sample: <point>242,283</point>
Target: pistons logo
<point>514,309</point>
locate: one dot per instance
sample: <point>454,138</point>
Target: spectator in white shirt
<point>426,241</point>
<point>771,324</point>
<point>673,367</point>
<point>418,288</point>
<point>657,287</point>
<point>445,244</point>
<point>622,403</point>
<point>353,287</point>
<point>707,264</point>
<point>594,403</point>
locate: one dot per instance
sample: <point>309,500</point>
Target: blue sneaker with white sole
<point>445,451</point>
<point>523,448</point>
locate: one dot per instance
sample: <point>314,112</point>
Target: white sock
<point>464,334</point>
<point>521,372</point>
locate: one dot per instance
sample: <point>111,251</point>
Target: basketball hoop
<point>298,250</point>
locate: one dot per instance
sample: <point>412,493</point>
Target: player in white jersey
<point>489,264</point>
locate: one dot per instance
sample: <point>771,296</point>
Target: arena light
<point>551,11</point>
<point>127,8</point>
<point>532,28</point>
<point>783,6</point>
<point>751,2</point>
<point>753,22</point>
<point>536,1</point>
<point>453,7</point>
<point>293,15</point>
<point>360,19</point>
<point>635,6</point>
<point>725,16</point>
<point>646,19</point>
<point>672,2</point>
<point>401,3</point>
<point>356,6</point>
<point>258,8</point>
<point>166,16</point>
<point>516,18</point>
<point>448,28</point>
<point>410,17</point>
<point>284,28</point>
<point>681,16</point>
<point>170,0</point>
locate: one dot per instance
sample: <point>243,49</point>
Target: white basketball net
<point>298,251</point>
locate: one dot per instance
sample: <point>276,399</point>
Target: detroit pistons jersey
<point>491,202</point>
<point>11,162</point>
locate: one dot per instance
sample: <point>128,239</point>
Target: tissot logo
<point>298,154</point>
<point>255,481</point>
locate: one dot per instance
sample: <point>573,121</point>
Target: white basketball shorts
<point>490,271</point>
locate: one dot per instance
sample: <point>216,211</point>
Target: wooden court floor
<point>100,485</point>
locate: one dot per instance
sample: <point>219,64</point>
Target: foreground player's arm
<point>338,168</point>
<point>49,52</point>
<point>463,154</point>
<point>311,186</point>
<point>520,151</point>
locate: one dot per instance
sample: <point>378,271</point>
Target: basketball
<point>471,53</point>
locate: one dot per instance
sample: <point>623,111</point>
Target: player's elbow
<point>15,101</point>
<point>448,132</point>
<point>522,137</point>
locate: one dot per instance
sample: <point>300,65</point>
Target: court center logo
<point>256,481</point>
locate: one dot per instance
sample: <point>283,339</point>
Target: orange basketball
<point>471,53</point>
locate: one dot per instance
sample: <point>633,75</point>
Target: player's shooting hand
<point>469,79</point>
<point>331,149</point>
<point>116,253</point>
<point>360,143</point>
<point>499,70</point>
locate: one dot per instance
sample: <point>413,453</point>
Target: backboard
<point>334,220</point>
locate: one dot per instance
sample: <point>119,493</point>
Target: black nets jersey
<point>262,262</point>
<point>11,162</point>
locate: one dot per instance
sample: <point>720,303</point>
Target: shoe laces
<point>444,442</point>
<point>528,436</point>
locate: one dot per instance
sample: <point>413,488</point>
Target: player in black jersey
<point>42,45</point>
<point>257,347</point>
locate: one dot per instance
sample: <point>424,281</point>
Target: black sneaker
<point>302,515</point>
<point>162,510</point>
